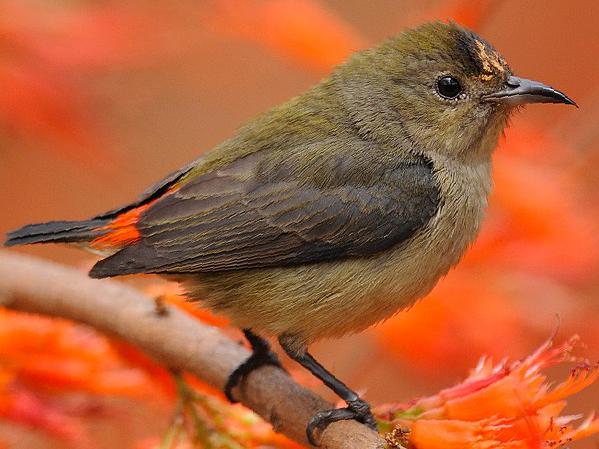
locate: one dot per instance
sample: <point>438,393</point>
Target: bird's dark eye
<point>449,87</point>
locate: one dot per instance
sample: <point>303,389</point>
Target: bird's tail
<point>58,232</point>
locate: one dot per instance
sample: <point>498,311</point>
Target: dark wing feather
<point>153,192</point>
<point>234,218</point>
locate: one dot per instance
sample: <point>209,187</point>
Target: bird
<point>331,212</point>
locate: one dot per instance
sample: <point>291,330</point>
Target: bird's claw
<point>256,360</point>
<point>357,409</point>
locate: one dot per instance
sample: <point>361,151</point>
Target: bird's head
<point>439,86</point>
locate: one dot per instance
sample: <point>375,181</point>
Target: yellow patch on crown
<point>492,63</point>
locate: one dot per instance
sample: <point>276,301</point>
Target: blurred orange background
<point>100,99</point>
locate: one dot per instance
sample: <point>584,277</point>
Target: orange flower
<point>503,405</point>
<point>469,13</point>
<point>44,361</point>
<point>301,29</point>
<point>37,102</point>
<point>46,47</point>
<point>521,231</point>
<point>21,406</point>
<point>57,354</point>
<point>448,337</point>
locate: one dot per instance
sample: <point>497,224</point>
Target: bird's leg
<point>357,408</point>
<point>261,355</point>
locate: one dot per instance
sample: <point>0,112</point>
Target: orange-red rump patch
<point>122,230</point>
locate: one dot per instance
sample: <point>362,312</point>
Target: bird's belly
<point>320,300</point>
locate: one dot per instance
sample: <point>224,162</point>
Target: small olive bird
<point>333,211</point>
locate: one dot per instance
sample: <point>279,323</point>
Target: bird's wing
<point>238,218</point>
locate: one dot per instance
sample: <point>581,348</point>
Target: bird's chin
<point>499,120</point>
<point>505,110</point>
<point>516,108</point>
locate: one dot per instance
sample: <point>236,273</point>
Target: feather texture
<point>238,217</point>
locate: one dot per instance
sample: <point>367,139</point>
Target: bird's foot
<point>261,355</point>
<point>357,409</point>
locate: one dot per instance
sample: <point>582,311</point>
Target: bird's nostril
<point>513,81</point>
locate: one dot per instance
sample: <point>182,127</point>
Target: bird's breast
<point>409,271</point>
<point>464,192</point>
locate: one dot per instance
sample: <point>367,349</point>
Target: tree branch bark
<point>174,339</point>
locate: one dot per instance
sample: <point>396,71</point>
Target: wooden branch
<point>174,339</point>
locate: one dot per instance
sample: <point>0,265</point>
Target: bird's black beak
<point>520,91</point>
